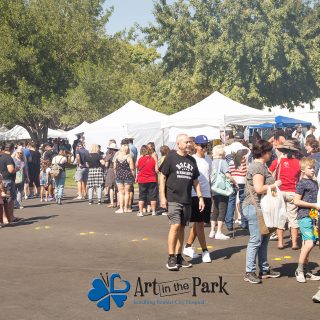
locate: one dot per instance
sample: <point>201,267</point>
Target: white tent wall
<point>148,132</point>
<point>20,133</point>
<point>71,134</point>
<point>210,132</point>
<point>216,111</point>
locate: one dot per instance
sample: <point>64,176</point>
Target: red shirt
<point>147,170</point>
<point>288,171</point>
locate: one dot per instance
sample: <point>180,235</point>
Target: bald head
<point>184,144</point>
<point>181,136</point>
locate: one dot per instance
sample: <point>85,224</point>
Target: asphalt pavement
<point>49,261</point>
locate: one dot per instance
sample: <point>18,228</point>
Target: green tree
<point>250,50</point>
<point>43,46</point>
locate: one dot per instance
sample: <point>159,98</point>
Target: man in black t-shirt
<point>179,172</point>
<point>8,171</point>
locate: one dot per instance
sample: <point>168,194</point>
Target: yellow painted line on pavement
<point>37,228</point>
<point>47,227</point>
<point>145,239</point>
<point>134,240</point>
<point>209,247</point>
<point>277,259</point>
<point>91,232</point>
<point>287,257</point>
<point>83,233</point>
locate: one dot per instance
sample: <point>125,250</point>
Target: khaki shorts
<point>179,213</point>
<point>292,209</point>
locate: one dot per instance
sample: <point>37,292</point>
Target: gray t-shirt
<point>256,168</point>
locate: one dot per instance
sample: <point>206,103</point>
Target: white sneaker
<point>164,213</point>
<point>238,221</point>
<point>313,277</point>
<point>79,198</point>
<point>190,252</point>
<point>139,214</point>
<point>154,213</point>
<point>25,197</point>
<point>212,234</point>
<point>316,297</point>
<point>300,276</point>
<point>221,236</point>
<point>206,257</point>
<point>274,236</point>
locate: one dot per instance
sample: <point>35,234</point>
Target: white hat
<point>113,146</point>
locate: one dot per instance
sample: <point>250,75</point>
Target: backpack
<point>56,169</point>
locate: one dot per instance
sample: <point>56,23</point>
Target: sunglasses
<point>203,145</point>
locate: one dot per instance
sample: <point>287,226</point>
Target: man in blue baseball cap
<point>198,217</point>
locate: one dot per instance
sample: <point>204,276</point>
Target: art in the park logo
<point>112,291</point>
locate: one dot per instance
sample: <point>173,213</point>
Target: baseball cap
<point>201,139</point>
<point>239,135</point>
<point>313,127</point>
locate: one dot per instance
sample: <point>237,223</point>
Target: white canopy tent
<point>213,114</point>
<point>20,133</point>
<point>305,113</point>
<point>71,134</point>
<point>132,119</point>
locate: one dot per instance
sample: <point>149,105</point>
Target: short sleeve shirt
<point>60,160</point>
<point>308,189</point>
<point>94,160</point>
<point>180,172</point>
<point>6,160</point>
<point>256,168</point>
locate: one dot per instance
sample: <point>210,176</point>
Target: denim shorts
<point>126,181</point>
<point>306,229</point>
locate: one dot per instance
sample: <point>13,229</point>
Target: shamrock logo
<point>102,292</point>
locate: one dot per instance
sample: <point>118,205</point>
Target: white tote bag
<point>273,209</point>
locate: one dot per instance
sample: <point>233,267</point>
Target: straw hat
<point>288,145</point>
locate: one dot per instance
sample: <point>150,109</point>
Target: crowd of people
<point>197,182</point>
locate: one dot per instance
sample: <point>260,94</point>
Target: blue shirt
<point>134,152</point>
<point>308,189</point>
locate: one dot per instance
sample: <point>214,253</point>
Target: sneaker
<point>183,263</point>
<point>79,198</point>
<point>300,276</point>
<point>206,257</point>
<point>164,213</point>
<point>50,198</point>
<point>21,207</point>
<point>316,297</point>
<point>41,200</point>
<point>274,236</point>
<point>238,221</point>
<point>31,196</point>
<point>26,198</point>
<point>312,277</point>
<point>269,274</point>
<point>119,211</point>
<point>221,236</point>
<point>59,201</point>
<point>154,213</point>
<point>252,278</point>
<point>90,202</point>
<point>99,202</point>
<point>212,234</point>
<point>190,252</point>
<point>139,214</point>
<point>172,264</point>
<point>127,210</point>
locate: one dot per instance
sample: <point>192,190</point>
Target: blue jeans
<point>99,193</point>
<point>258,244</point>
<point>59,185</point>
<point>232,207</point>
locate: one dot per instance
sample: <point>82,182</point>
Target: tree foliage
<point>254,51</point>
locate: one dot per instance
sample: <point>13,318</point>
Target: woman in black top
<point>95,176</point>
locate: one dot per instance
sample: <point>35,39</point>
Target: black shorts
<point>148,191</point>
<point>196,215</point>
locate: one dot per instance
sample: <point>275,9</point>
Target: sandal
<point>111,206</point>
<point>295,248</point>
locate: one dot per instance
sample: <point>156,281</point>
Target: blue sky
<point>127,12</point>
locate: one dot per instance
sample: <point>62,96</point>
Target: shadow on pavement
<point>28,221</point>
<point>288,269</point>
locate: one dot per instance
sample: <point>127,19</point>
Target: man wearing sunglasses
<point>179,173</point>
<point>198,218</point>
